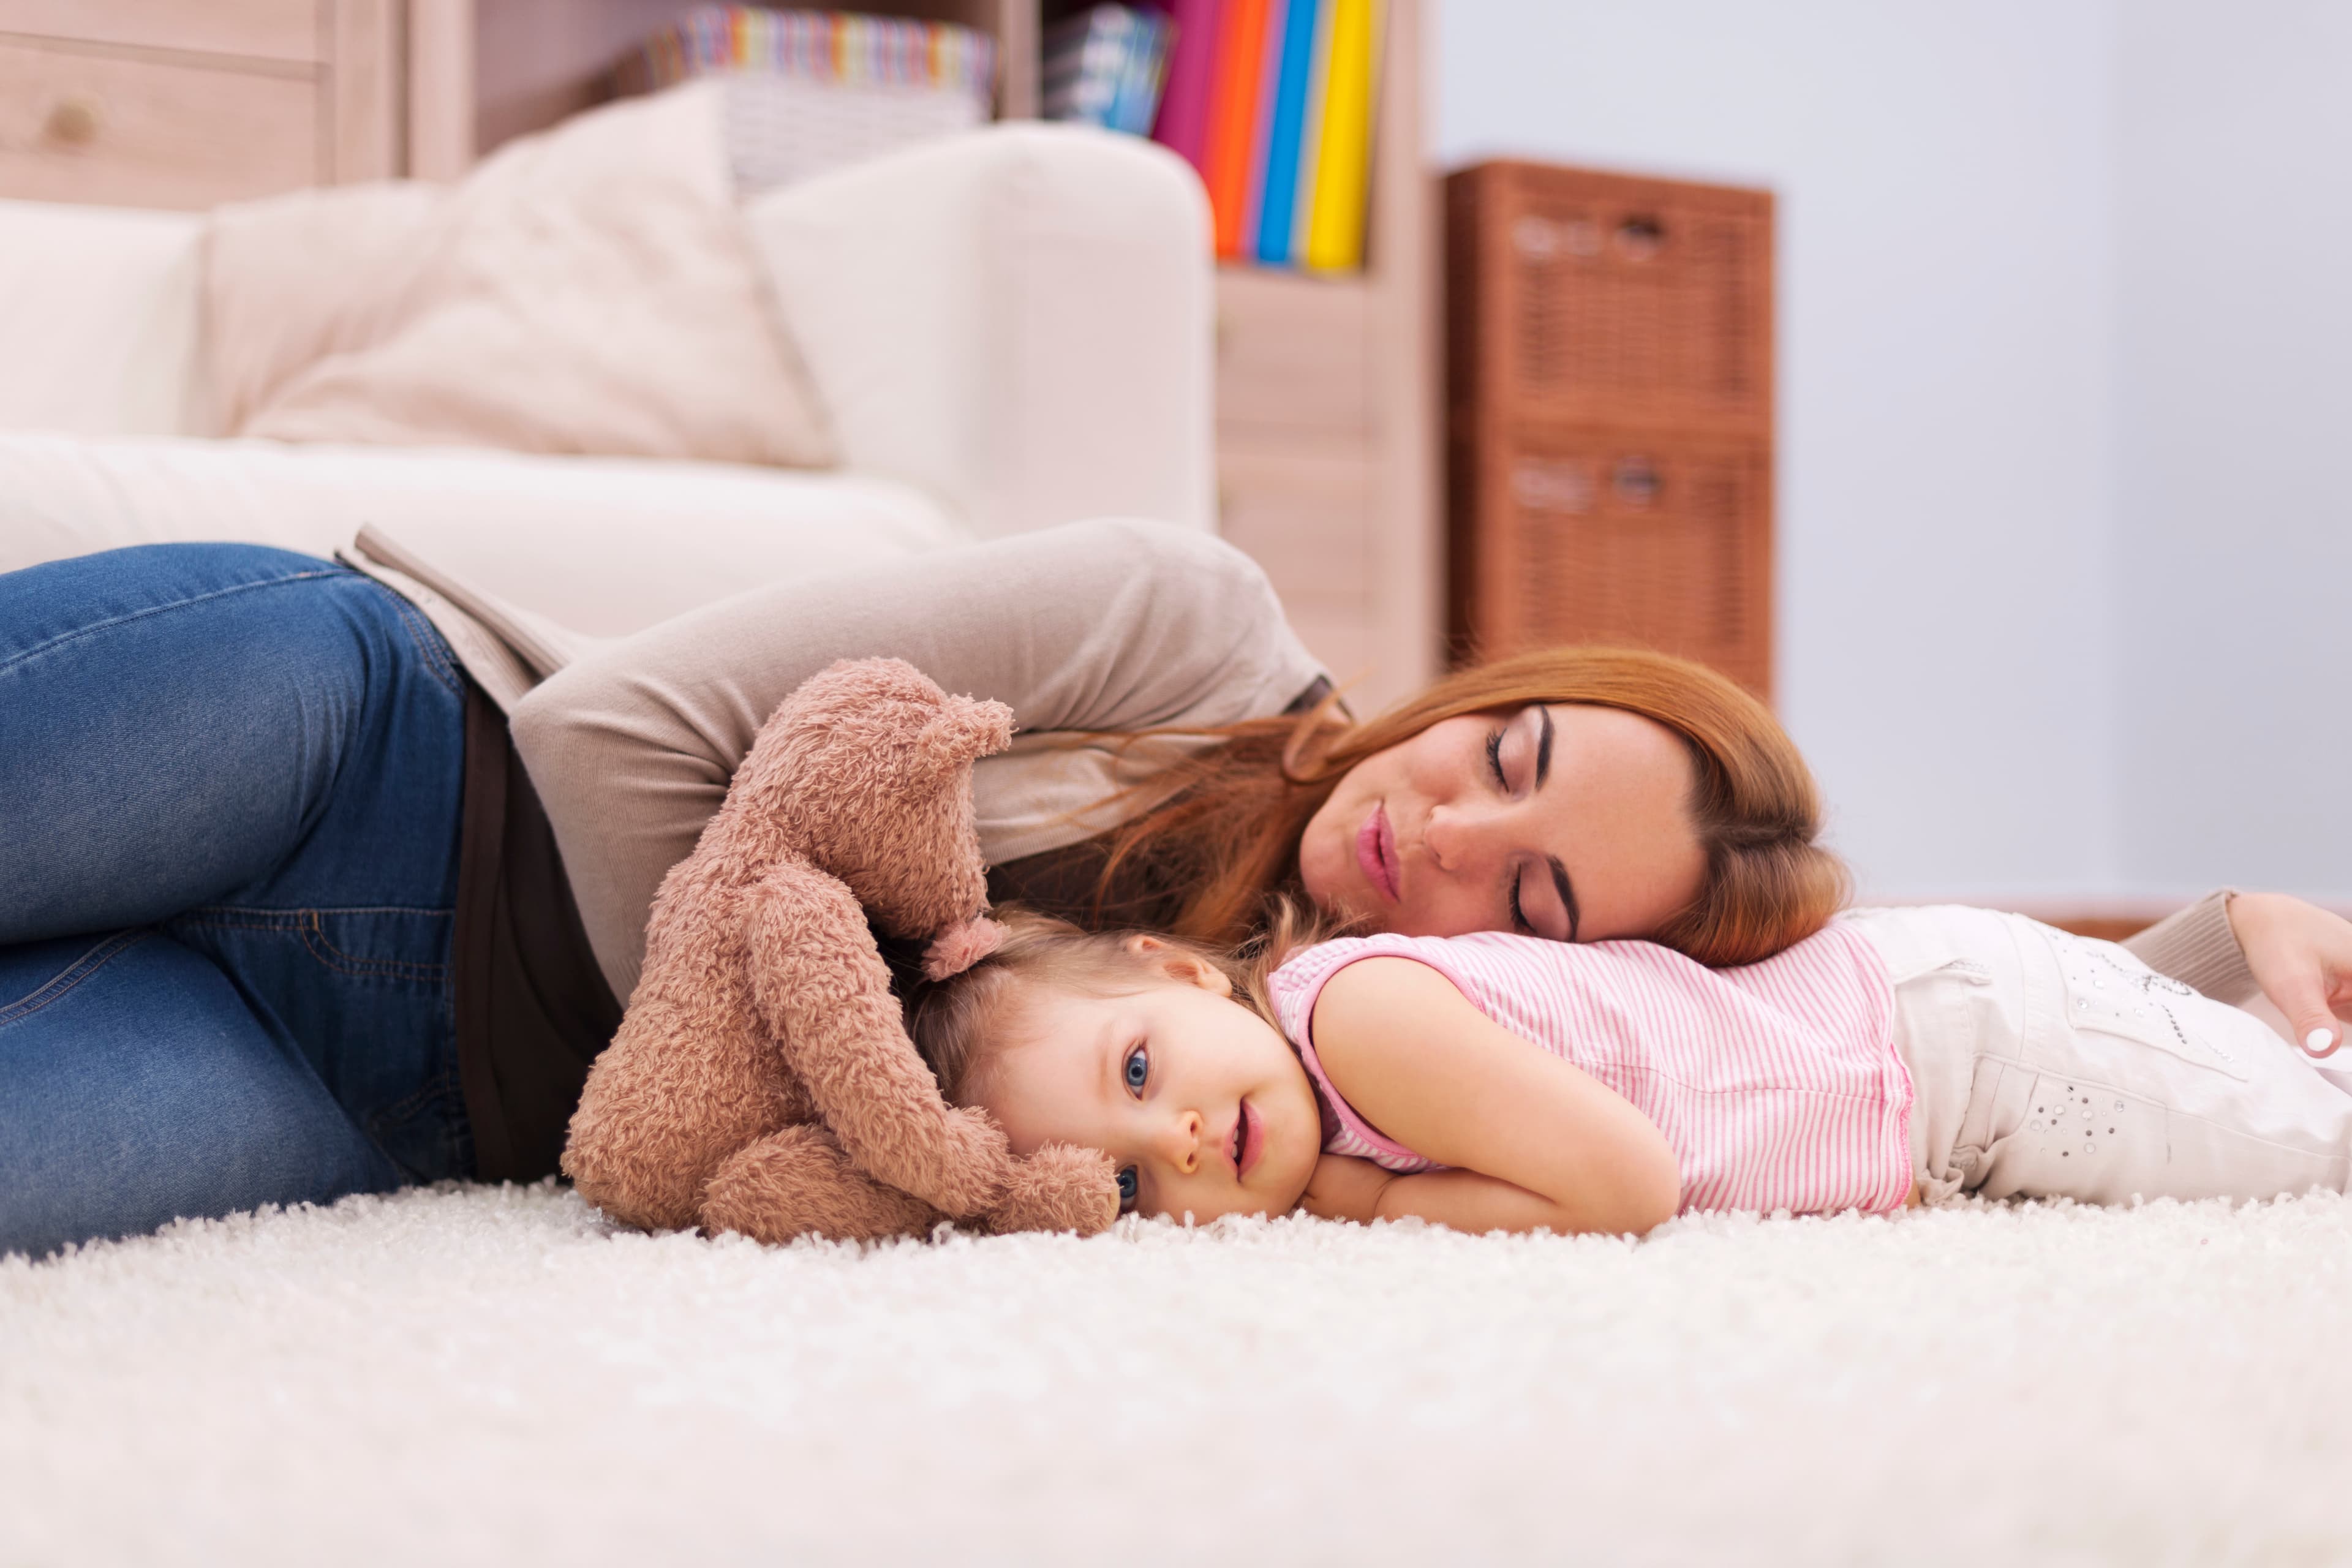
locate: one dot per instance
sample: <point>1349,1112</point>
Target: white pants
<point>2045,1065</point>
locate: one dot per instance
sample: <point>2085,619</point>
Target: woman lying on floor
<point>295,910</point>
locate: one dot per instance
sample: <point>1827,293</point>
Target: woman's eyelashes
<point>1519,922</point>
<point>1495,739</point>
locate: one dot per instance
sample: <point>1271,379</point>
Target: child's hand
<point>1344,1187</point>
<point>2302,958</point>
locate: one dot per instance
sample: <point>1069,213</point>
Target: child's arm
<point>1536,1142</point>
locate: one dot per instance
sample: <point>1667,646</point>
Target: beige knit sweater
<point>1092,627</point>
<point>1104,626</point>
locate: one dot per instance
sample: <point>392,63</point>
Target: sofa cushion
<point>97,319</point>
<point>590,290</point>
<point>600,546</point>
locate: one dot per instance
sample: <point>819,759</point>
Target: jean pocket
<point>2108,992</point>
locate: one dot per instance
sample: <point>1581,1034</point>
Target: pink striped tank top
<point>1777,1084</point>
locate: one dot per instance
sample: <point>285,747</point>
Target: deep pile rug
<point>492,1375</point>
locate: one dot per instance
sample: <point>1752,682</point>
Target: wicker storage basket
<point>1601,299</point>
<point>1582,535</point>
<point>1609,392</point>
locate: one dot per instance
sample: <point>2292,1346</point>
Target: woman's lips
<point>1376,853</point>
<point>1253,1138</point>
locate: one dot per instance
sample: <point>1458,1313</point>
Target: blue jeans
<point>229,790</point>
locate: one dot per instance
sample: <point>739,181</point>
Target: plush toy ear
<point>959,947</point>
<point>966,728</point>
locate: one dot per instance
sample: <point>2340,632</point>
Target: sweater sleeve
<point>1093,626</point>
<point>2199,948</point>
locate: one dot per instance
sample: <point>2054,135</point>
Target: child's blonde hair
<point>958,1023</point>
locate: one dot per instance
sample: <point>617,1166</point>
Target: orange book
<point>1233,119</point>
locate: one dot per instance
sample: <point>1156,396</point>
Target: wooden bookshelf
<point>1327,388</point>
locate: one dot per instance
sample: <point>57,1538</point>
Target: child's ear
<point>1177,965</point>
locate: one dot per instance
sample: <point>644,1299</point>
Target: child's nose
<point>1180,1143</point>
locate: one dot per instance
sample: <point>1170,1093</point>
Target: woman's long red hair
<point>1221,839</point>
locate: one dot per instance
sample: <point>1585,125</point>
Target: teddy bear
<point>763,1080</point>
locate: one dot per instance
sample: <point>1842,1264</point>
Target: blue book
<point>1283,134</point>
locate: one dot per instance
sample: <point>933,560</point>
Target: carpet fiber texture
<point>493,1375</point>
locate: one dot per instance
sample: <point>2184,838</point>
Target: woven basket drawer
<point>1599,537</point>
<point>1577,297</point>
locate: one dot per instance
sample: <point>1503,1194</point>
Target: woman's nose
<point>1179,1142</point>
<point>1451,837</point>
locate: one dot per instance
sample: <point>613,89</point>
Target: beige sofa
<point>1008,330</point>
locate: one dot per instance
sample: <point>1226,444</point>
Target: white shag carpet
<point>492,1375</point>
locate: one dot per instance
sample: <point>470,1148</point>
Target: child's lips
<point>1249,1136</point>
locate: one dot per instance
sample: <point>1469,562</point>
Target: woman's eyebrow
<point>1543,771</point>
<point>1567,890</point>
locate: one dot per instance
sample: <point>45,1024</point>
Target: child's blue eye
<point>1137,1070</point>
<point>1127,1189</point>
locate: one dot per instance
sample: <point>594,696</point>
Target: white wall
<point>2065,497</point>
<point>2233,548</point>
<point>1946,651</point>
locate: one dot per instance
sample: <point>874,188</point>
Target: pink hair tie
<point>958,948</point>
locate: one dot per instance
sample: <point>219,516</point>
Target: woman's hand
<point>2302,958</point>
<point>1344,1187</point>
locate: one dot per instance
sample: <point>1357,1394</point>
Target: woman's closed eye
<point>1552,876</point>
<point>1494,758</point>
<point>1530,761</point>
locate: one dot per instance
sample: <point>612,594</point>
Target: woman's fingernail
<point>2319,1042</point>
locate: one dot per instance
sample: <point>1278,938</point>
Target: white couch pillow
<point>590,290</point>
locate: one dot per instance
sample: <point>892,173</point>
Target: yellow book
<point>1335,237</point>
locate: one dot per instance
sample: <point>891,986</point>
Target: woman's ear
<point>1176,963</point>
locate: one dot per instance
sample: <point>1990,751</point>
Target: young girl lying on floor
<point>1505,1082</point>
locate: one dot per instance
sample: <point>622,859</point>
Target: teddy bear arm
<point>1061,1187</point>
<point>797,1182</point>
<point>825,994</point>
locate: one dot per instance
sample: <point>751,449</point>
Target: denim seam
<point>80,632</point>
<point>439,1089</point>
<point>308,924</point>
<point>58,986</point>
<point>427,637</point>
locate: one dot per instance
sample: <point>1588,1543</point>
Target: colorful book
<point>823,45</point>
<point>1269,82</point>
<point>1286,121</point>
<point>1138,104</point>
<point>1310,139</point>
<point>1334,234</point>
<point>1182,125</point>
<point>1103,67</point>
<point>1233,119</point>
